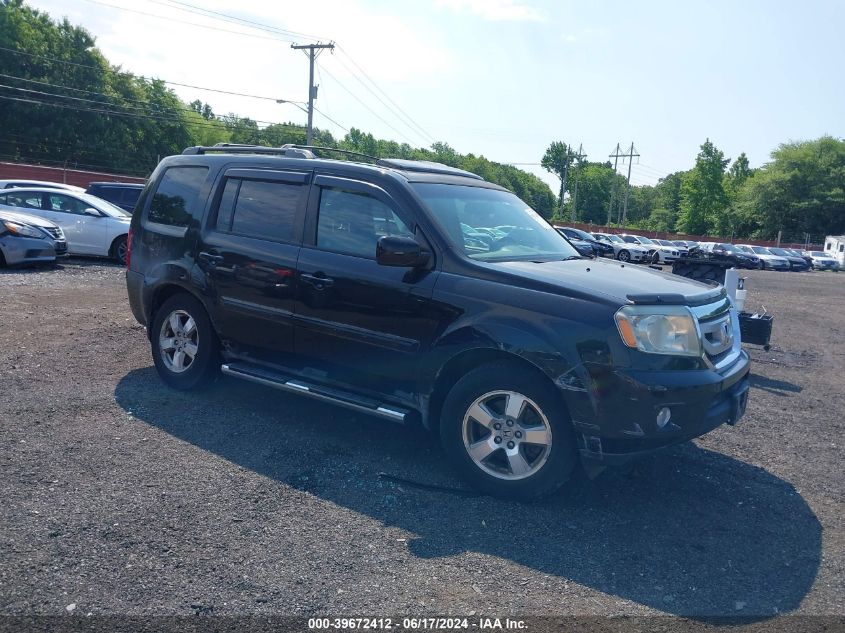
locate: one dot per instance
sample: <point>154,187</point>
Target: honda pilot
<point>365,283</point>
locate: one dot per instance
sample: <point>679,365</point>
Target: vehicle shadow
<point>691,532</point>
<point>777,387</point>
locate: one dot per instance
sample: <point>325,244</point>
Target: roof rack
<point>292,150</point>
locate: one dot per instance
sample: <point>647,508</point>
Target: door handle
<point>210,258</point>
<point>318,282</point>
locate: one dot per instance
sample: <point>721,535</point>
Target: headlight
<point>22,230</point>
<point>659,329</point>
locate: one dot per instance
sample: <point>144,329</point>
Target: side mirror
<point>402,251</point>
<point>92,211</point>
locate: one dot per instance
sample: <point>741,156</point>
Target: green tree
<point>801,191</point>
<point>557,160</point>
<point>703,197</point>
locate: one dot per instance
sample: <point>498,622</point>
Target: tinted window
<point>266,210</point>
<point>175,199</point>
<point>352,223</point>
<point>27,200</point>
<point>63,203</point>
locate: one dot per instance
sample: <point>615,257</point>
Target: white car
<point>822,260</point>
<point>769,260</point>
<point>621,250</point>
<point>659,254</point>
<point>91,225</point>
<point>17,184</point>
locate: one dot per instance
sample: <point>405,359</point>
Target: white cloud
<point>569,38</point>
<point>494,10</point>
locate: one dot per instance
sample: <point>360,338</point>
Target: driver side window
<point>65,204</point>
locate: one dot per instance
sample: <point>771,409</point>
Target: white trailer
<point>834,245</point>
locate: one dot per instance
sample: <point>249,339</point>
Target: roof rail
<point>234,148</point>
<point>425,166</point>
<point>291,150</point>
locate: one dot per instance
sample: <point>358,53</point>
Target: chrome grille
<point>54,232</point>
<point>719,336</point>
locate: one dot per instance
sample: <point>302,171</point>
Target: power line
<point>354,96</point>
<point>202,26</point>
<point>164,81</point>
<point>400,114</point>
<point>232,19</point>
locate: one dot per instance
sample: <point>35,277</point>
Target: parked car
<point>584,248</point>
<point>623,251</point>
<point>691,245</point>
<point>795,252</point>
<point>683,250</point>
<point>740,258</point>
<point>15,184</point>
<point>768,260</point>
<point>91,225</point>
<point>28,239</point>
<point>658,253</point>
<point>120,194</point>
<point>600,249</point>
<point>524,358</point>
<point>796,263</point>
<point>822,260</point>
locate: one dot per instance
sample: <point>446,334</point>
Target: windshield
<point>644,240</point>
<point>528,235</point>
<point>760,250</point>
<point>818,254</point>
<point>779,251</point>
<point>730,248</point>
<point>745,249</point>
<point>105,206</point>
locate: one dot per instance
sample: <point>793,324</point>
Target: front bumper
<point>625,403</point>
<point>27,250</point>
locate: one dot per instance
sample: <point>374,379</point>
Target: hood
<point>617,282</point>
<point>26,218</point>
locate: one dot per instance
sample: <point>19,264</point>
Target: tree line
<point>801,191</point>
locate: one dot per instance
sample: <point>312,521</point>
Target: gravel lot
<point>123,497</point>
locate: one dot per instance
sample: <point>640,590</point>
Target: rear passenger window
<point>262,209</point>
<point>175,201</point>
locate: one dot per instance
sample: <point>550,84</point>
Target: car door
<point>86,234</point>
<point>364,322</point>
<point>248,251</point>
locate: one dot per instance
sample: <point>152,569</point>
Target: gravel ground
<point>123,497</point>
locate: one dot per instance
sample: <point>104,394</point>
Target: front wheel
<point>507,433</point>
<point>119,249</point>
<point>624,256</point>
<point>184,346</point>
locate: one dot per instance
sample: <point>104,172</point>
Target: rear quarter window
<point>176,198</point>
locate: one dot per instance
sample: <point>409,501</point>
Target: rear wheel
<point>507,433</point>
<point>184,346</point>
<point>118,250</point>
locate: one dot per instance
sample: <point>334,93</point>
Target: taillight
<point>128,248</point>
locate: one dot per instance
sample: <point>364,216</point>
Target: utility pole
<point>312,89</point>
<point>628,189</point>
<point>615,156</point>
<point>579,157</point>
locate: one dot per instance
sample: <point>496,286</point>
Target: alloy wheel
<point>178,341</point>
<point>507,435</point>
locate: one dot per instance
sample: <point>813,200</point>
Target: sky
<point>505,78</point>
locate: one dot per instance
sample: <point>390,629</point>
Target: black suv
<point>122,194</point>
<point>362,285</point>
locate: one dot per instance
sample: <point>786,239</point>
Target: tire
<point>655,257</point>
<point>186,371</point>
<point>624,256</point>
<point>118,250</point>
<point>508,467</point>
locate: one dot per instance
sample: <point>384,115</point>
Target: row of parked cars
<point>641,249</point>
<point>41,221</point>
